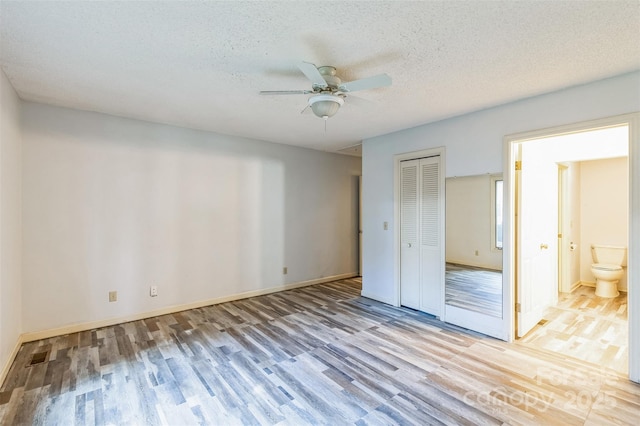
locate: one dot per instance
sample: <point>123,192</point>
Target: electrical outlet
<point>285,270</point>
<point>477,253</point>
<point>113,296</point>
<point>153,291</point>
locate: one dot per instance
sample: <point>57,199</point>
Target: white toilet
<point>607,268</point>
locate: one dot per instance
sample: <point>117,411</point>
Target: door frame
<point>360,225</point>
<point>511,143</point>
<point>565,285</point>
<point>397,182</point>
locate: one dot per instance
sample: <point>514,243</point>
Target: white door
<point>409,248</point>
<point>430,236</point>
<point>565,234</point>
<point>421,262</point>
<point>537,237</point>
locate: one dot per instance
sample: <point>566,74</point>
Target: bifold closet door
<point>421,262</point>
<point>409,246</point>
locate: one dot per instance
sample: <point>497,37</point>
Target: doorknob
<point>543,246</point>
<point>408,245</point>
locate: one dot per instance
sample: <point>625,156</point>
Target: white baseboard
<point>75,328</point>
<point>10,359</point>
<point>576,285</point>
<point>593,284</point>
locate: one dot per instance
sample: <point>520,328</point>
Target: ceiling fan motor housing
<point>329,75</point>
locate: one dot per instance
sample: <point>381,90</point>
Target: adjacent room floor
<point>475,289</point>
<point>315,355</point>
<point>585,326</point>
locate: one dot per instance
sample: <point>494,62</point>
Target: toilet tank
<point>611,255</point>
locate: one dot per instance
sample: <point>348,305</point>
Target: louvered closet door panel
<point>430,204</point>
<point>409,233</point>
<point>431,263</point>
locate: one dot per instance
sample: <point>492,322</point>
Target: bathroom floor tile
<point>585,326</point>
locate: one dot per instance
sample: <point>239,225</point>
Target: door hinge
<point>518,307</point>
<point>518,165</point>
<point>559,235</point>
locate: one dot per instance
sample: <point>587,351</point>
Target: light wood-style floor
<point>585,326</point>
<point>474,289</point>
<point>315,355</point>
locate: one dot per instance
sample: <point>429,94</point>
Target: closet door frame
<point>431,152</point>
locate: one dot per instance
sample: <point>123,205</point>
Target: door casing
<point>511,143</point>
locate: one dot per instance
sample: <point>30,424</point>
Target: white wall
<point>468,222</point>
<point>603,222</point>
<point>474,145</point>
<point>10,228</point>
<point>117,204</point>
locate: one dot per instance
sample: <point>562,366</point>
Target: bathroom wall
<point>604,207</point>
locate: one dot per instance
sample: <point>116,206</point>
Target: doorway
<point>550,251</point>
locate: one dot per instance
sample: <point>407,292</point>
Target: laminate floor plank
<point>318,355</point>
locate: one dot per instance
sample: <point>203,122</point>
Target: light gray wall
<point>118,204</point>
<point>10,228</point>
<point>474,145</point>
<point>604,205</point>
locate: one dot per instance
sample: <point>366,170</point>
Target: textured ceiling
<point>202,64</point>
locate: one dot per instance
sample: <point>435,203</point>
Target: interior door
<point>409,248</point>
<point>537,236</point>
<point>564,231</point>
<point>421,254</point>
<point>431,203</point>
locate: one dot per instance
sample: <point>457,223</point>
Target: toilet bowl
<point>607,277</point>
<point>608,268</point>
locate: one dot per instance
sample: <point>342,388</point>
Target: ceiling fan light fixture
<point>324,105</point>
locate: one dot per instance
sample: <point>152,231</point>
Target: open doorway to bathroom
<point>573,196</point>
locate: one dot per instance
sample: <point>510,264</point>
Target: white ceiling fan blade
<point>312,73</point>
<point>380,80</point>
<point>285,92</point>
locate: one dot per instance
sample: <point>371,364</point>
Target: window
<point>496,211</point>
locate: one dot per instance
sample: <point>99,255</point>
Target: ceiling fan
<point>328,90</point>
